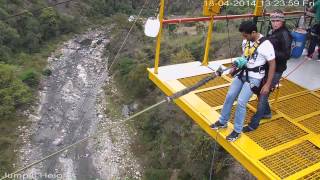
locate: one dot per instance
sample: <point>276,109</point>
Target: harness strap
<point>249,52</point>
<point>255,69</point>
<point>258,68</point>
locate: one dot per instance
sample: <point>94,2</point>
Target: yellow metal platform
<point>285,147</point>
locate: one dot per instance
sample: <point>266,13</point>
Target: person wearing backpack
<point>258,52</point>
<point>281,40</point>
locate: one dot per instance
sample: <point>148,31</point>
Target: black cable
<point>230,56</point>
<point>200,83</point>
<point>215,143</point>
<point>213,156</point>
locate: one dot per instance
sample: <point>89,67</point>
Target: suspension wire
<point>127,36</point>
<point>216,139</point>
<point>213,155</point>
<point>98,132</point>
<point>73,145</point>
<point>263,23</point>
<point>228,31</point>
<point>107,59</point>
<point>296,68</point>
<point>292,71</point>
<point>168,99</point>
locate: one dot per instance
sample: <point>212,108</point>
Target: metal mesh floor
<point>254,104</point>
<point>300,105</point>
<point>315,175</point>
<point>249,115</point>
<point>189,81</point>
<point>286,88</point>
<point>293,159</point>
<point>214,97</point>
<point>312,124</point>
<point>275,133</point>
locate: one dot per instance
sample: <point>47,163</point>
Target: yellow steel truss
<point>157,56</point>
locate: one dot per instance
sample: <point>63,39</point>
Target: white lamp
<point>152,27</point>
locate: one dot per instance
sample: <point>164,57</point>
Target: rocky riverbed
<point>71,107</point>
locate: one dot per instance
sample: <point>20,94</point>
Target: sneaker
<point>217,125</point>
<point>247,129</point>
<point>233,136</point>
<point>267,116</point>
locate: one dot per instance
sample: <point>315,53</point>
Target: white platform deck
<point>307,75</point>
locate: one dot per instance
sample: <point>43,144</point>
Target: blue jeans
<point>263,105</point>
<point>242,90</point>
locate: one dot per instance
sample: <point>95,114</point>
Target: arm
<point>282,55</point>
<point>284,52</point>
<point>272,68</point>
<point>233,70</point>
<point>282,41</point>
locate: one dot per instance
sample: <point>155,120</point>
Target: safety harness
<point>249,52</point>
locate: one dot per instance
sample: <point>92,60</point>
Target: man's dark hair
<point>248,27</point>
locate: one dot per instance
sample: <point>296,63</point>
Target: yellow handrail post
<point>258,10</point>
<point>157,57</point>
<point>205,61</point>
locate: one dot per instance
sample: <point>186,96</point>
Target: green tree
<point>28,28</point>
<point>3,13</point>
<point>101,8</point>
<point>4,53</point>
<point>31,78</point>
<point>13,93</point>
<point>137,83</point>
<point>9,36</point>
<point>69,24</point>
<point>49,23</point>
